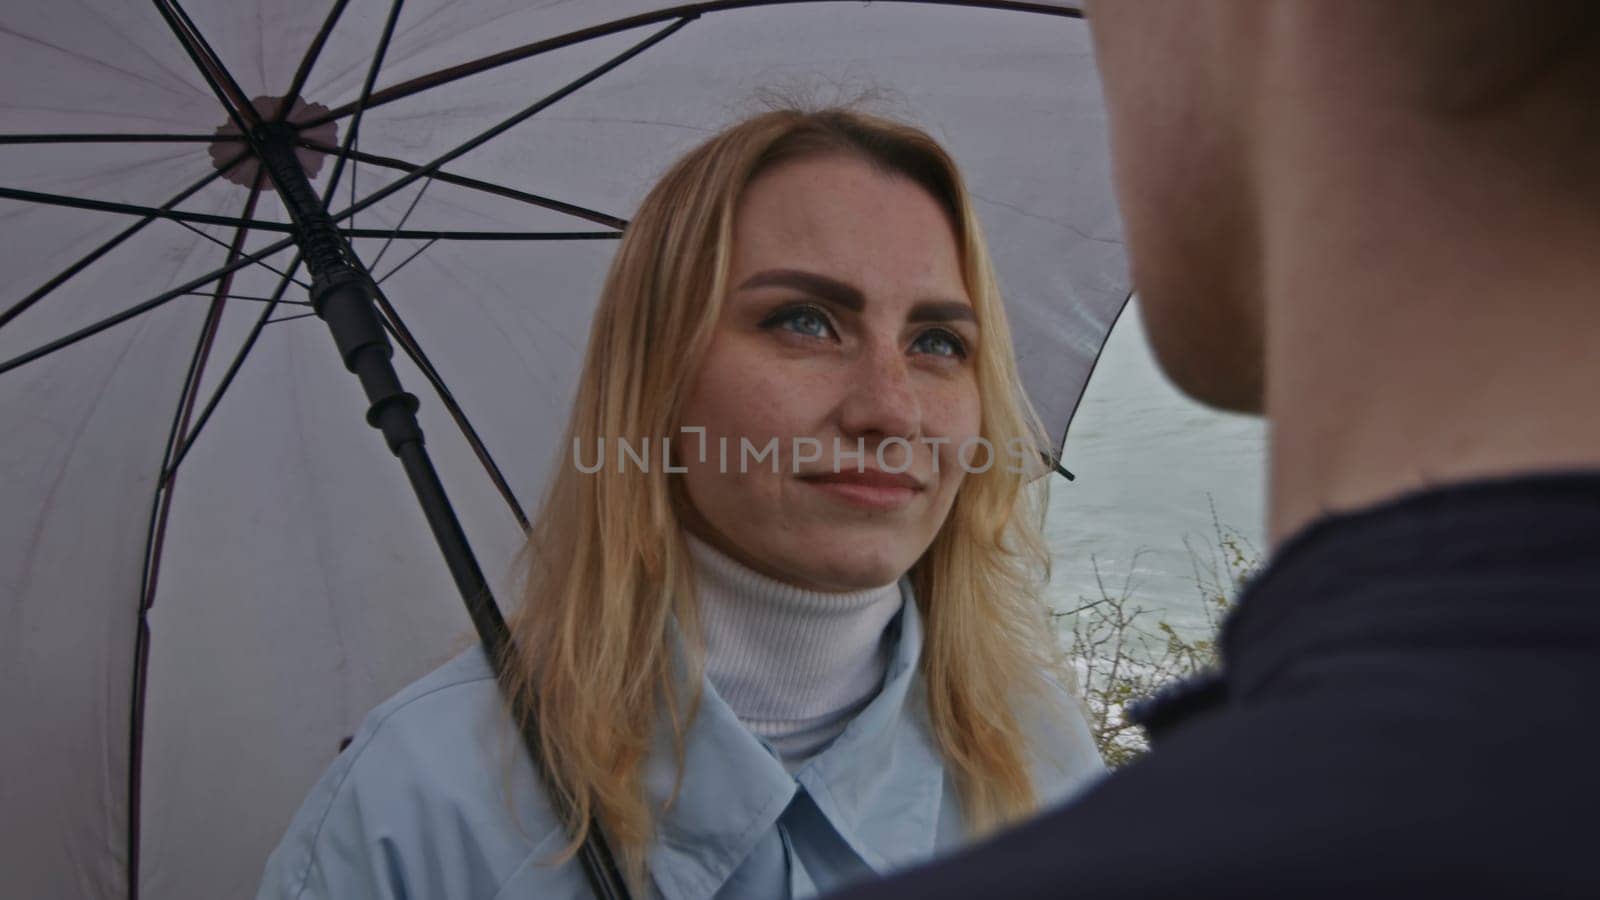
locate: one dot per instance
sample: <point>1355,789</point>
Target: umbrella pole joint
<point>342,295</point>
<point>344,299</point>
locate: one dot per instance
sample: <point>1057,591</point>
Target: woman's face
<point>847,323</point>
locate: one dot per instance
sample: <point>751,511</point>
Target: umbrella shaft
<point>343,295</point>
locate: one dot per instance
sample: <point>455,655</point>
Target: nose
<point>882,401</point>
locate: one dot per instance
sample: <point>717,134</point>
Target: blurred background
<point>1152,541</point>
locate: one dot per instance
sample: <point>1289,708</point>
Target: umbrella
<point>209,568</point>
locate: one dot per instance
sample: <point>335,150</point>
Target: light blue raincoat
<point>430,801</point>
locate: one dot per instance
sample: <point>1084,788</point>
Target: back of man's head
<point>1337,209</point>
<point>1471,59</point>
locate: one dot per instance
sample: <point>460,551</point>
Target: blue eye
<point>940,342</point>
<point>806,320</point>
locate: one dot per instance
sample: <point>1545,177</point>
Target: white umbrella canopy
<point>180,657</point>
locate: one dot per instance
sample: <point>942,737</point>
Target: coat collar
<point>879,784</point>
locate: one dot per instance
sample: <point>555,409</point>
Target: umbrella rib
<point>1065,429</point>
<point>134,209</point>
<point>182,218</point>
<point>1053,460</point>
<point>687,11</point>
<point>237,107</point>
<point>397,326</point>
<point>402,265</point>
<point>355,170</point>
<point>372,199</point>
<point>389,241</point>
<point>250,298</point>
<point>505,125</point>
<point>88,259</point>
<point>309,61</point>
<point>233,370</point>
<point>421,235</point>
<point>140,309</point>
<point>156,538</point>
<point>408,342</point>
<point>263,264</point>
<point>210,64</point>
<point>188,395</point>
<point>361,102</point>
<point>389,162</point>
<point>115,138</point>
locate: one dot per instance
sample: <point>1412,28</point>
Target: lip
<point>874,490</point>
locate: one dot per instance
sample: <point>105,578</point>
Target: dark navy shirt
<point>1407,708</point>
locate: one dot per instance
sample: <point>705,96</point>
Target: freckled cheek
<point>760,399</point>
<point>786,407</point>
<point>950,458</point>
<point>953,414</point>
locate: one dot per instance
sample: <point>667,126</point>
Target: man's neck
<point>1433,315</point>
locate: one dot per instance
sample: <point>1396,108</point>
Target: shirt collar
<point>734,790</point>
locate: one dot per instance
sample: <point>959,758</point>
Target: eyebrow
<point>841,294</point>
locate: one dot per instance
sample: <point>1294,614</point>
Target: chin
<point>1229,391</point>
<point>857,565</point>
<point>1216,361</point>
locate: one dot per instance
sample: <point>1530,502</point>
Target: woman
<point>805,646</point>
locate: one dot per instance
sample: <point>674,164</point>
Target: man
<point>1378,222</point>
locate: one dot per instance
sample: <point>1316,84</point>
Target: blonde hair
<point>607,570</point>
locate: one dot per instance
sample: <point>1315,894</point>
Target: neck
<point>793,664</point>
<point>1433,304</point>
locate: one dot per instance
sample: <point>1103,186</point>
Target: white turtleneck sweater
<point>794,665</point>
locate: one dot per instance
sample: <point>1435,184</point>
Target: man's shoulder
<point>1335,789</point>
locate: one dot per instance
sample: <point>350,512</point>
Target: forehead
<point>848,218</point>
